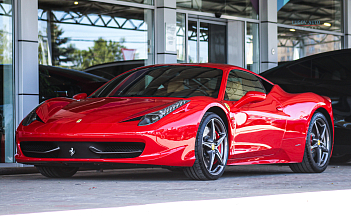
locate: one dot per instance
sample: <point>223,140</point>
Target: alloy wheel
<point>214,145</point>
<point>320,142</point>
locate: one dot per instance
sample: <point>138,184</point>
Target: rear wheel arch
<point>318,145</point>
<point>327,116</point>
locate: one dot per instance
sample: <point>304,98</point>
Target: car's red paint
<point>262,128</point>
<point>80,96</point>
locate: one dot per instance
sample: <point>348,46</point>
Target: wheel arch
<point>329,119</point>
<point>326,114</point>
<point>224,116</point>
<point>307,164</point>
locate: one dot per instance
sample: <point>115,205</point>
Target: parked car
<point>64,82</point>
<point>195,117</point>
<point>326,74</point>
<point>112,69</point>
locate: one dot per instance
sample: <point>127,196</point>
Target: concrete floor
<point>29,193</point>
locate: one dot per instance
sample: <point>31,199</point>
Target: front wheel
<point>211,149</point>
<point>57,172</point>
<point>318,146</point>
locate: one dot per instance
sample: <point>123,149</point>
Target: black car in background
<point>327,74</point>
<point>63,82</point>
<point>112,69</point>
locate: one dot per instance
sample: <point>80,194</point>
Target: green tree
<point>60,53</point>
<point>101,52</point>
<point>5,48</point>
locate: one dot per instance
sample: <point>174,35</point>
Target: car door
<point>259,126</point>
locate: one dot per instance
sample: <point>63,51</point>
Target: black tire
<point>211,149</point>
<point>339,159</point>
<point>57,172</point>
<point>318,146</point>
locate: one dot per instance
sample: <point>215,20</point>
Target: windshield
<point>165,81</point>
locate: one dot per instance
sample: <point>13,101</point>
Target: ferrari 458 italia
<point>196,117</point>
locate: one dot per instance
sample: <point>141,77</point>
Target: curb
<point>18,170</point>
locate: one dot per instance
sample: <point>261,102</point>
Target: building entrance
<point>207,41</point>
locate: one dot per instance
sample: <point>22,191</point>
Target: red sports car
<point>197,117</point>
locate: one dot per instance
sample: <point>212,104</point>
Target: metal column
<point>166,40</point>
<point>269,34</point>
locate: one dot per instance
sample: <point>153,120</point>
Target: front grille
<point>124,147</point>
<point>37,146</point>
<point>41,149</point>
<point>30,149</point>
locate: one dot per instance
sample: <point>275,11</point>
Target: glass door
<point>206,41</point>
<point>6,83</point>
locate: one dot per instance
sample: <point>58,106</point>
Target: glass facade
<point>239,8</point>
<point>312,27</point>
<point>181,46</point>
<point>252,47</point>
<point>311,14</point>
<point>192,41</point>
<point>294,44</point>
<point>78,36</point>
<point>149,2</point>
<point>7,80</point>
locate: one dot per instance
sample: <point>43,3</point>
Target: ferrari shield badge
<point>79,120</point>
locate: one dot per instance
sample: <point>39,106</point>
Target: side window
<point>240,82</point>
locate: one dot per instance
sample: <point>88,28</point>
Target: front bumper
<point>89,146</point>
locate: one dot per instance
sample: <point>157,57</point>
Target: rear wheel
<point>211,149</point>
<point>57,172</point>
<point>318,147</point>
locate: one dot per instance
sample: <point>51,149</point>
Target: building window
<point>82,46</point>
<point>6,94</point>
<point>181,55</point>
<point>239,8</point>
<point>300,43</point>
<point>311,14</point>
<point>252,47</point>
<point>148,2</point>
<point>79,36</point>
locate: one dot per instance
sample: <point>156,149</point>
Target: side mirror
<point>80,96</point>
<point>250,97</point>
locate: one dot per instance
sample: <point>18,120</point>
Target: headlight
<point>155,116</point>
<point>31,117</point>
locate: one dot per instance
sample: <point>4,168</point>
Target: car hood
<point>106,110</point>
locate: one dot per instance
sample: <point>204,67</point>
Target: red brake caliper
<point>219,147</point>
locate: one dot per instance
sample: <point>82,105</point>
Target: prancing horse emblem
<point>72,152</point>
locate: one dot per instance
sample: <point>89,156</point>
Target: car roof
<point>72,72</point>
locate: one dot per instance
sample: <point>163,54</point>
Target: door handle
<point>279,108</point>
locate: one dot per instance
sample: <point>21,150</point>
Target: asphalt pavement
<point>128,188</point>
